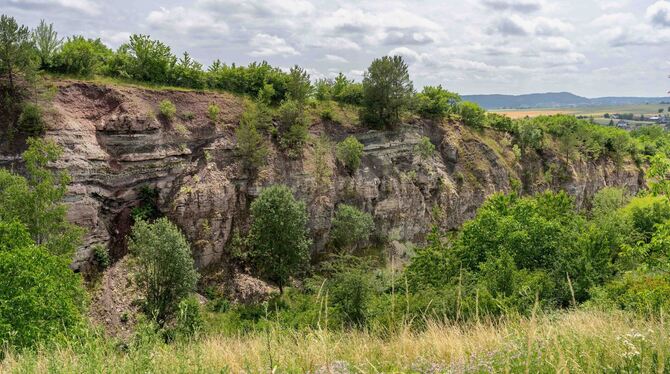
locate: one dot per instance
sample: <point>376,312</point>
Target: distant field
<point>646,109</point>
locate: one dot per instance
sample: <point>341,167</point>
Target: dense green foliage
<point>387,91</point>
<point>250,145</point>
<point>81,56</point>
<point>46,42</point>
<point>41,299</point>
<point>30,120</point>
<point>16,51</point>
<point>293,127</point>
<point>425,148</point>
<point>436,102</point>
<point>350,226</point>
<point>349,153</point>
<point>167,109</point>
<point>278,235</point>
<point>36,200</point>
<point>163,267</point>
<point>471,114</point>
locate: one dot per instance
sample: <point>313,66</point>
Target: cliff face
<point>115,143</point>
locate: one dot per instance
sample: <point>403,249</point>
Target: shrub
<point>345,91</point>
<point>349,152</point>
<point>436,102</point>
<point>387,91</point>
<point>144,59</point>
<point>425,148</point>
<point>350,226</point>
<point>163,267</point>
<point>101,256</point>
<point>40,297</point>
<point>278,235</point>
<point>642,293</point>
<point>167,109</point>
<point>293,129</point>
<point>213,111</point>
<point>472,114</point>
<point>30,120</point>
<point>322,169</point>
<point>298,85</point>
<point>258,80</point>
<point>189,320</point>
<point>250,145</point>
<point>351,289</point>
<point>81,56</point>
<point>500,122</point>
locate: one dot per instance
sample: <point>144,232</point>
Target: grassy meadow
<point>579,341</point>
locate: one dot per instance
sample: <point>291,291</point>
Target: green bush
<point>41,299</point>
<point>436,102</point>
<point>167,109</point>
<point>81,56</point>
<point>144,59</point>
<point>294,129</point>
<point>258,80</point>
<point>472,114</point>
<point>642,293</point>
<point>30,120</point>
<point>425,148</point>
<point>163,267</point>
<point>189,319</point>
<point>350,226</point>
<point>250,145</point>
<point>213,111</point>
<point>349,152</point>
<point>101,256</point>
<point>278,235</point>
<point>351,289</point>
<point>500,122</point>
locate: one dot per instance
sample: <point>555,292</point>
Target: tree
<point>250,145</point>
<point>351,288</point>
<point>163,267</point>
<point>293,127</point>
<point>16,50</point>
<point>298,85</point>
<point>350,226</point>
<point>387,91</point>
<point>436,102</point>
<point>278,235</point>
<point>36,201</point>
<point>349,152</point>
<point>81,56</point>
<point>472,114</point>
<point>40,297</point>
<point>46,43</point>
<point>145,59</point>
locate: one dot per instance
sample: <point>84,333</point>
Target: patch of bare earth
<point>113,305</point>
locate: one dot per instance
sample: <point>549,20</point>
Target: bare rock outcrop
<point>115,142</point>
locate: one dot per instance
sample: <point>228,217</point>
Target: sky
<point>587,47</point>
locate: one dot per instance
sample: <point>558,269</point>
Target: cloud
<point>335,58</point>
<point>521,6</point>
<point>259,8</point>
<point>114,38</point>
<point>659,13</point>
<point>408,54</point>
<point>511,26</point>
<point>271,45</point>
<point>186,21</point>
<point>514,25</point>
<point>83,6</point>
<point>336,43</point>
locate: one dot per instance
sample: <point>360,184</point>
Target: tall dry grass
<point>570,342</point>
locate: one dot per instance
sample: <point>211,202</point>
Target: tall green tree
<point>387,91</point>
<point>278,235</point>
<point>47,43</point>
<point>16,50</point>
<point>36,201</point>
<point>163,267</point>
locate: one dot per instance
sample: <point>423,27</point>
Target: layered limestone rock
<point>116,142</point>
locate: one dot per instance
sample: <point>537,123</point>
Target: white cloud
<point>523,6</point>
<point>271,45</point>
<point>335,58</point>
<point>185,21</point>
<point>260,8</point>
<point>659,13</point>
<point>83,6</point>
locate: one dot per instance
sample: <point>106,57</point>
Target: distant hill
<point>556,100</point>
